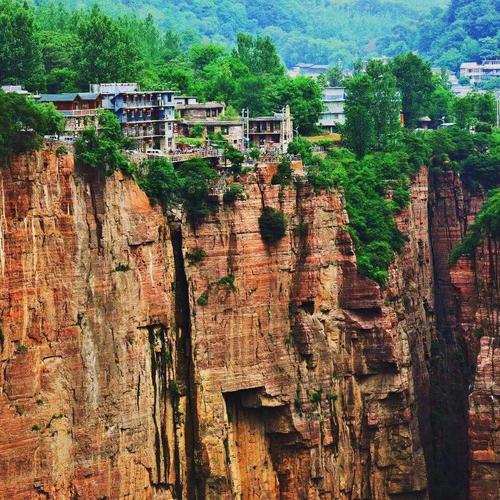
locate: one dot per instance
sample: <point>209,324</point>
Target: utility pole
<point>245,115</point>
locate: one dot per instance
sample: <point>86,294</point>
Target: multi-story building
<point>146,116</point>
<point>333,111</point>
<point>14,89</point>
<point>271,133</point>
<point>210,117</point>
<point>79,109</point>
<point>189,108</point>
<point>231,130</point>
<point>477,73</point>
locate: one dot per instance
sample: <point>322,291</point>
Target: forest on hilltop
<point>319,31</point>
<point>334,32</point>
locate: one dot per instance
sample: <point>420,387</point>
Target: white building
<point>480,72</point>
<point>333,112</point>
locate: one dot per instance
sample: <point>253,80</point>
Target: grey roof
<point>201,105</point>
<point>68,97</point>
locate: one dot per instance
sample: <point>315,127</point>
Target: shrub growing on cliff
<point>195,177</point>
<point>159,181</point>
<point>188,185</point>
<point>272,224</point>
<point>486,225</point>
<point>235,192</point>
<point>235,157</point>
<point>104,148</point>
<point>284,174</point>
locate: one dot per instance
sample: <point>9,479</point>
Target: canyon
<point>130,369</point>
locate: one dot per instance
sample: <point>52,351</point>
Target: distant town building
<point>79,108</point>
<point>14,89</point>
<point>461,90</point>
<point>305,69</point>
<point>189,108</point>
<point>477,73</point>
<point>333,111</point>
<point>146,116</point>
<point>270,133</point>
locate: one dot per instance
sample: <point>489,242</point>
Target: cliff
<point>467,298</point>
<point>130,369</point>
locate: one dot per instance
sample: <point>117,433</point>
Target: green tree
<point>20,60</point>
<point>304,97</point>
<point>385,103</point>
<point>335,76</point>
<point>160,181</point>
<point>486,108</point>
<point>414,81</point>
<point>24,124</point>
<point>106,53</point>
<point>259,54</point>
<point>103,148</point>
<point>441,104</point>
<point>195,177</point>
<point>359,129</point>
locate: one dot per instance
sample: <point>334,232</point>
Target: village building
<point>270,133</point>
<point>333,108</point>
<point>307,69</point>
<point>207,118</point>
<point>146,116</point>
<point>230,130</point>
<point>189,108</point>
<point>477,73</point>
<point>14,89</point>
<point>79,109</point>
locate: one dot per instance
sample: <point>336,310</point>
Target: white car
<point>51,137</point>
<point>155,152</point>
<point>67,138</point>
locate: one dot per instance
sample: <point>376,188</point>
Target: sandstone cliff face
<point>86,322</point>
<point>467,299</point>
<point>304,383</point>
<point>261,371</point>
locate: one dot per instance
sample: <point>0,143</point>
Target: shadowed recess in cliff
<point>185,389</point>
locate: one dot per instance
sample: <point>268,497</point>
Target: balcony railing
<point>78,112</point>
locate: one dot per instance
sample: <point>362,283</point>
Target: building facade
<point>79,109</point>
<point>306,69</point>
<point>477,73</point>
<point>231,130</point>
<point>188,108</point>
<point>147,117</point>
<point>270,133</point>
<point>333,108</point>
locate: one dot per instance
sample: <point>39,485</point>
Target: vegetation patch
<point>486,225</point>
<point>272,224</point>
<point>235,192</point>
<point>195,255</point>
<point>227,281</point>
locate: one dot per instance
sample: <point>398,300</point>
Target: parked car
<point>155,152</point>
<point>51,137</point>
<point>67,138</point>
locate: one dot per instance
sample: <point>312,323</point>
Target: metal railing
<point>78,112</point>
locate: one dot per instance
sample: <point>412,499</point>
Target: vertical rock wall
<point>305,384</point>
<point>466,449</point>
<point>86,316</point>
<point>261,371</point>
